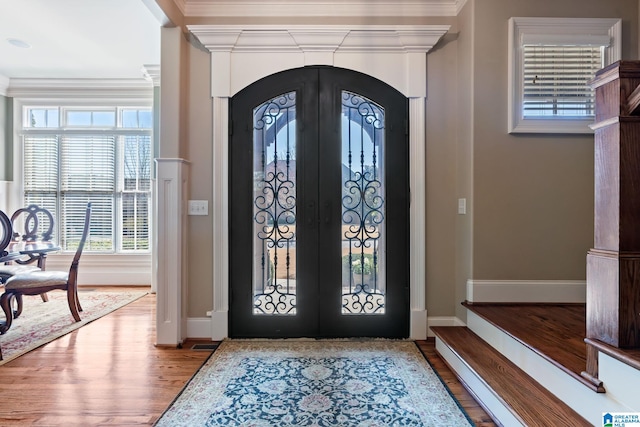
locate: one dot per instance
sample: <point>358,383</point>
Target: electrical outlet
<point>198,207</point>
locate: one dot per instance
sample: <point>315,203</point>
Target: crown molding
<point>80,88</point>
<point>319,8</point>
<point>151,73</point>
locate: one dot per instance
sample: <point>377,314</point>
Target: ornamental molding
<point>81,88</point>
<point>323,8</point>
<point>328,38</point>
<point>151,73</point>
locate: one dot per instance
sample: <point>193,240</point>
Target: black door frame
<point>318,92</point>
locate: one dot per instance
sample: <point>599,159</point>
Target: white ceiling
<point>77,38</point>
<point>105,39</point>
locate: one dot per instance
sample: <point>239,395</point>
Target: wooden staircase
<point>510,395</point>
<point>525,363</point>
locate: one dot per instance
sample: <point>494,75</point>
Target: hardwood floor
<point>106,373</point>
<point>110,373</point>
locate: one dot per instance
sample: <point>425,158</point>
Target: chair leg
<point>18,311</point>
<point>5,303</point>
<point>73,304</point>
<point>78,301</point>
<point>45,297</point>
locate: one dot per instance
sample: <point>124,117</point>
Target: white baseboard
<point>527,291</point>
<point>199,327</point>
<point>418,324</point>
<point>214,327</point>
<point>443,321</point>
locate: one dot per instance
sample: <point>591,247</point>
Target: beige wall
<point>533,195</point>
<point>199,152</point>
<point>529,198</point>
<point>532,207</point>
<point>464,167</point>
<point>443,117</point>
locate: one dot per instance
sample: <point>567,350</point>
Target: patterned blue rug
<point>278,383</point>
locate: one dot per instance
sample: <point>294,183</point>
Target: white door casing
<point>243,54</point>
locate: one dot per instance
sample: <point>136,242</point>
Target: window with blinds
<point>75,156</point>
<point>551,64</point>
<point>556,80</point>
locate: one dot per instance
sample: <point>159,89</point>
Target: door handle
<point>311,214</point>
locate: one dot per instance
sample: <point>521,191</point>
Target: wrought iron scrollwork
<point>274,206</point>
<point>363,207</point>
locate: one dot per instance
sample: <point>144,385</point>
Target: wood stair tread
<point>526,398</point>
<point>555,332</point>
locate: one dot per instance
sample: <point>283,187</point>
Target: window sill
<point>576,126</point>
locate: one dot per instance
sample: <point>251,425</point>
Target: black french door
<point>319,207</point>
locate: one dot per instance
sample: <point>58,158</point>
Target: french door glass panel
<point>274,196</point>
<point>363,278</point>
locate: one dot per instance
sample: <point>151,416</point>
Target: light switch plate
<point>198,207</point>
<point>462,206</point>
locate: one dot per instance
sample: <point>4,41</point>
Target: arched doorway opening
<point>319,206</point>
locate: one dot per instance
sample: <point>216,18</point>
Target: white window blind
<point>551,63</point>
<point>87,172</point>
<point>556,80</point>
<point>136,189</point>
<point>64,169</point>
<point>41,174</point>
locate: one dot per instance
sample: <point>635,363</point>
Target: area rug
<point>42,322</point>
<point>321,383</point>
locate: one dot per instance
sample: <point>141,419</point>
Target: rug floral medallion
<point>315,383</point>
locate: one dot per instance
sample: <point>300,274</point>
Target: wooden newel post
<point>613,265</point>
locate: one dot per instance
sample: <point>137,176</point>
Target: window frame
<point>90,104</point>
<point>560,30</point>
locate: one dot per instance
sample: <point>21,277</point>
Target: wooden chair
<point>37,224</point>
<point>39,282</point>
<point>9,269</point>
<point>7,231</point>
<point>36,220</point>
